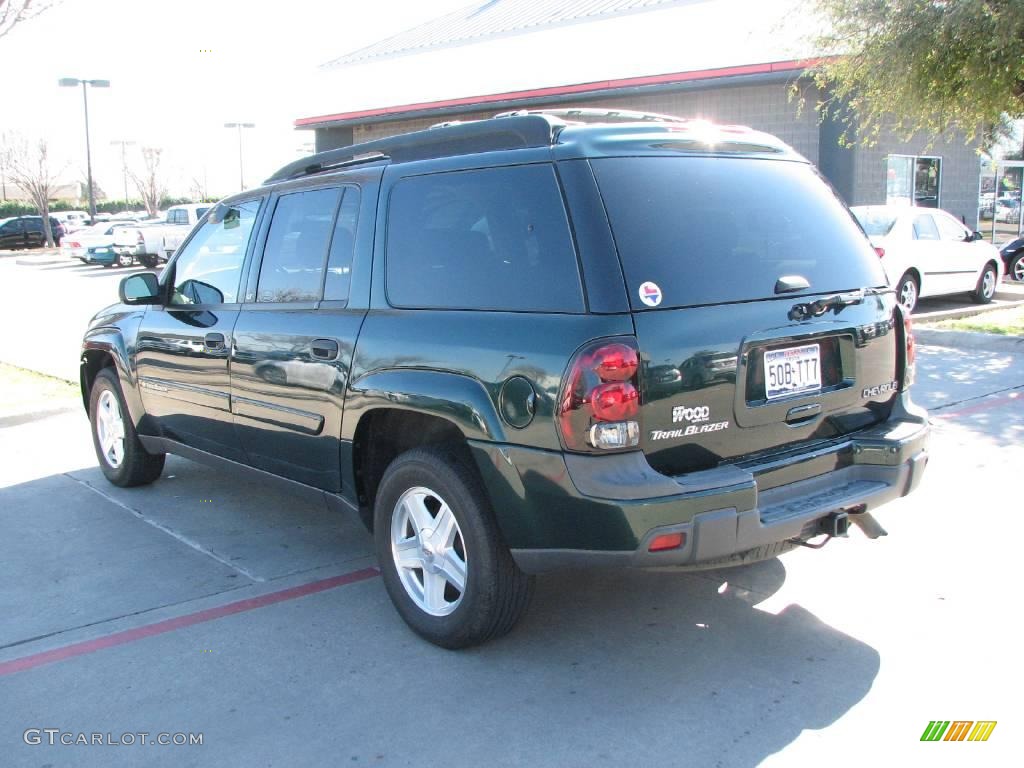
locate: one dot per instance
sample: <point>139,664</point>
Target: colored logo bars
<point>958,730</point>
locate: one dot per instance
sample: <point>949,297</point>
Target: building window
<point>912,180</point>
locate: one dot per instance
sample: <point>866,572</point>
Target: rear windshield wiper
<point>837,301</point>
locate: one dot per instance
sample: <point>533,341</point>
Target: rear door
<point>296,333</point>
<point>12,234</point>
<point>735,362</point>
<point>933,256</point>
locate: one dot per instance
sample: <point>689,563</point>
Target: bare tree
<point>197,189</point>
<point>14,11</point>
<point>28,166</point>
<point>148,179</point>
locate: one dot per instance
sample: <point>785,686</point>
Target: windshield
<point>877,222</point>
<point>711,230</point>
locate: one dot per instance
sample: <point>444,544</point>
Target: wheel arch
<point>105,348</point>
<point>390,412</point>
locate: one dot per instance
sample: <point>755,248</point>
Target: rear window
<point>718,230</point>
<point>494,238</point>
<point>876,223</point>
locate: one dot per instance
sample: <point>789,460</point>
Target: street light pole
<point>240,126</point>
<point>72,82</point>
<point>124,166</point>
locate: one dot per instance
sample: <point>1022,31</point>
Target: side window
<point>343,243</point>
<point>293,259</point>
<point>209,267</point>
<point>924,228</point>
<point>494,238</point>
<point>950,229</point>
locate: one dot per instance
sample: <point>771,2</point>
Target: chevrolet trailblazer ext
<point>526,343</point>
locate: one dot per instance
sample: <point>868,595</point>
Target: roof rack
<point>515,132</point>
<point>583,114</point>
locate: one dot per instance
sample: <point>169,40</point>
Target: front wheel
<point>986,286</point>
<point>148,261</point>
<point>445,567</point>
<point>122,458</point>
<point>125,260</point>
<point>1017,268</point>
<point>906,292</point>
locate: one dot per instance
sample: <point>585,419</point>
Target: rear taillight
<point>74,245</point>
<point>140,239</point>
<point>910,352</point>
<point>880,252</point>
<point>599,405</point>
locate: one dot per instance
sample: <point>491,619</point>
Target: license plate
<point>792,371</point>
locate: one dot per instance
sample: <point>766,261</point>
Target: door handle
<point>324,349</point>
<point>214,341</point>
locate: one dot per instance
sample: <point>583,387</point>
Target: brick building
<point>730,61</point>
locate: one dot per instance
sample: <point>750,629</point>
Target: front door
<point>183,347</point>
<point>295,337</point>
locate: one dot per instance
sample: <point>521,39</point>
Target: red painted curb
<point>180,622</point>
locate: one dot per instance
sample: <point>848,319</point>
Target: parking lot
<point>205,605</point>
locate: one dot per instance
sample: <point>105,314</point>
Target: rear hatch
<point>761,311</point>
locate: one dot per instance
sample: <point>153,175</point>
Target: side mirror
<point>139,289</point>
<point>977,236</point>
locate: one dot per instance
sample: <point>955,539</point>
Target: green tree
<point>935,66</point>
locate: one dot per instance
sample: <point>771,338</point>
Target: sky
<point>178,72</point>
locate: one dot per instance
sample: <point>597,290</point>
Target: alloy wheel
<point>908,295</point>
<point>429,551</point>
<point>110,428</point>
<point>988,284</point>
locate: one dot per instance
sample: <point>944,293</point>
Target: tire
<point>907,291</point>
<point>422,492</point>
<point>125,260</point>
<point>1017,268</point>
<point>131,465</point>
<point>148,261</point>
<point>986,286</point>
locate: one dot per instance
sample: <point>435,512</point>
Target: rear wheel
<point>445,567</point>
<point>148,261</point>
<point>907,291</point>
<point>986,286</point>
<point>125,260</point>
<point>122,458</point>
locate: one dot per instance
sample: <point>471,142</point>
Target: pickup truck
<point>153,243</point>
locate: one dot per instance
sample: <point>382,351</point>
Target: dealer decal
<point>650,294</point>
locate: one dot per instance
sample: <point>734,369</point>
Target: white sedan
<point>85,242</point>
<point>927,252</point>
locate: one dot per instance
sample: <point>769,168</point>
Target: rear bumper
<point>565,510</point>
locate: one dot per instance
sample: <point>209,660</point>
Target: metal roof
<point>496,18</point>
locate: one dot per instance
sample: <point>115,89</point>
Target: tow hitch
<point>836,524</point>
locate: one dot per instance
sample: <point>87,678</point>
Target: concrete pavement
<point>208,605</point>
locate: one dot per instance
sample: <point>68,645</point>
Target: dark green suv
<point>527,343</point>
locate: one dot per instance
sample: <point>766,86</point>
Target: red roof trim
<point>567,90</point>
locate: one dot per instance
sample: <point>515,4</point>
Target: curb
<point>955,314</point>
<point>40,261</point>
<point>971,340</point>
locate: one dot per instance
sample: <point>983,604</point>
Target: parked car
<point>95,245</point>
<point>27,232</point>
<point>72,221</point>
<point>1013,258</point>
<point>1008,211</point>
<point>927,252</point>
<point>146,242</point>
<point>449,334</point>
